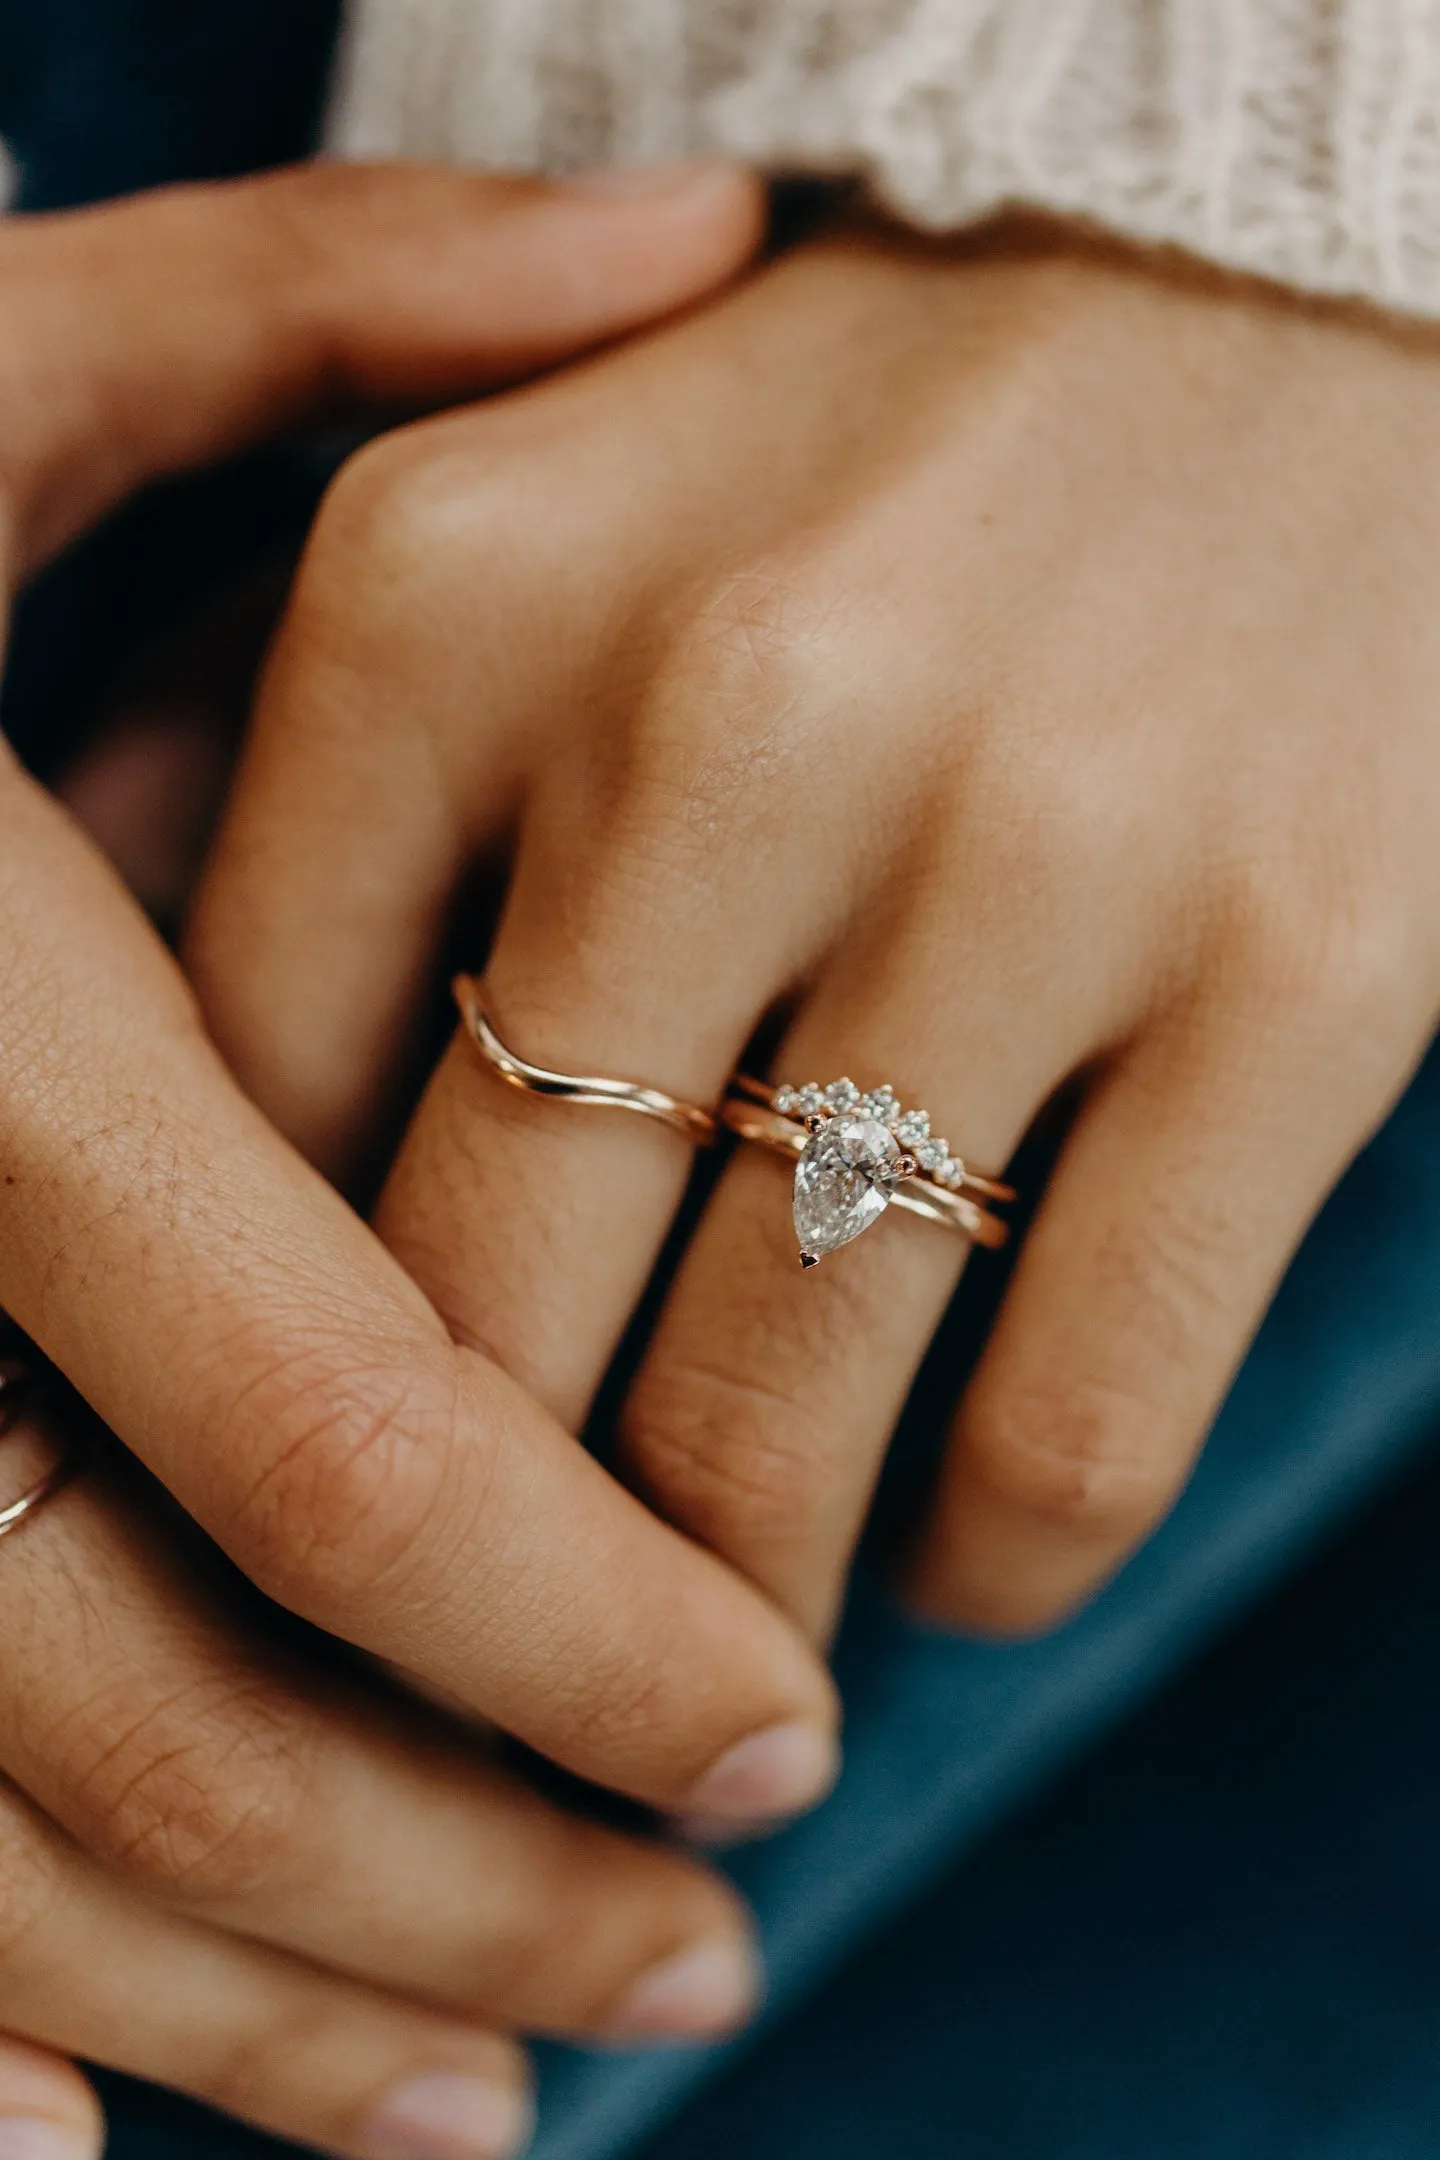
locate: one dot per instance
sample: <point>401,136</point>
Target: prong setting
<point>926,1155</point>
<point>859,1148</point>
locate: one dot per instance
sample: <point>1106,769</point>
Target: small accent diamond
<point>912,1128</point>
<point>842,1094</point>
<point>785,1100</point>
<point>880,1103</point>
<point>809,1098</point>
<point>931,1154</point>
<point>950,1173</point>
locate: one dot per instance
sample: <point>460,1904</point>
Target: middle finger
<point>639,941</point>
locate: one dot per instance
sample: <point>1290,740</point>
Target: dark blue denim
<point>1161,1888</point>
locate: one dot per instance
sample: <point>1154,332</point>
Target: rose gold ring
<point>19,1382</point>
<point>855,1153</point>
<point>698,1126</point>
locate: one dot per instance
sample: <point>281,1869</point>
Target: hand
<point>1018,664</point>
<point>226,1861</point>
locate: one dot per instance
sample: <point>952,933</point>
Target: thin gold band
<point>18,1382</point>
<point>746,1111</point>
<point>761,1093</point>
<point>698,1126</point>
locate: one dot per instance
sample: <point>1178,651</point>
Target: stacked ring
<point>20,1382</point>
<point>855,1153</point>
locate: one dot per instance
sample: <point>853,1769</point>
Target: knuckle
<point>754,638</point>
<point>729,1457</point>
<point>1081,1460</point>
<point>1331,944</point>
<point>203,1797</point>
<point>411,528</point>
<point>390,506</point>
<point>340,1465</point>
<point>734,1455</point>
<point>432,507</point>
<point>720,741</point>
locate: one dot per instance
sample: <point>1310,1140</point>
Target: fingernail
<point>640,180</point>
<point>697,1994</point>
<point>29,2137</point>
<point>766,1778</point>
<point>445,2117</point>
<point>712,1833</point>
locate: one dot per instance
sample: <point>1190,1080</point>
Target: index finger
<point>253,1343</point>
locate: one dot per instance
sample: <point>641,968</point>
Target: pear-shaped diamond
<point>843,1181</point>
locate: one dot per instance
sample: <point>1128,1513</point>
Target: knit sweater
<point>1295,139</point>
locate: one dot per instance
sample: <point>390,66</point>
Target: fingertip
<point>450,2115</point>
<point>48,2111</point>
<point>704,1991</point>
<point>688,182</point>
<point>726,201</point>
<point>767,1778</point>
<point>640,241</point>
<point>989,1581</point>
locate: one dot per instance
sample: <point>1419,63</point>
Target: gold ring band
<point>851,1153</point>
<point>18,1383</point>
<point>698,1126</point>
<point>854,1153</point>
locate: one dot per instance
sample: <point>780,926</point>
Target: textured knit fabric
<point>1297,139</point>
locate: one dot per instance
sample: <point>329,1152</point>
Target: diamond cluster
<point>910,1127</point>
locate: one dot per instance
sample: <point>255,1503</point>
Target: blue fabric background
<point>1215,1932</point>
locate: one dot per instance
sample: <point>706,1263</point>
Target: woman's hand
<point>1021,665</point>
<point>225,1861</point>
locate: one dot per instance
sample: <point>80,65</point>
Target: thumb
<point>153,334</point>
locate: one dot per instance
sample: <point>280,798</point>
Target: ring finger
<point>760,1417</point>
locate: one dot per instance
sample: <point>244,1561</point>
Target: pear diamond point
<point>843,1181</point>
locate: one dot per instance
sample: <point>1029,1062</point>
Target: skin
<point>1018,665</point>
<point>944,645</point>
<point>227,1860</point>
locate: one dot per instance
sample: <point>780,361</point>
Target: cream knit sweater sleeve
<point>1298,139</point>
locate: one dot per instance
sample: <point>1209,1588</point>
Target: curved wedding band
<point>18,1384</point>
<point>868,1169</point>
<point>854,1153</point>
<point>698,1126</point>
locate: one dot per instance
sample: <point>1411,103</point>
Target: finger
<point>145,336</point>
<point>47,2111</point>
<point>472,585</point>
<point>182,1747</point>
<point>664,896</point>
<point>533,1225</point>
<point>230,1319</point>
<point>89,1968</point>
<point>444,617</point>
<point>1181,1195</point>
<point>769,1392</point>
<point>146,792</point>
